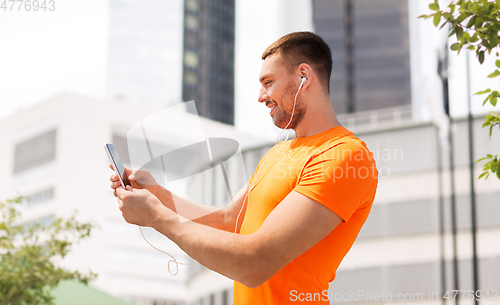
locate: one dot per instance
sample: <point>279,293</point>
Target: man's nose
<point>263,96</point>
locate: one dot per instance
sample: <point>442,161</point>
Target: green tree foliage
<point>28,253</point>
<point>476,24</point>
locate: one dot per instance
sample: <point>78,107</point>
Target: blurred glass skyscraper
<point>369,40</point>
<point>145,51</point>
<point>208,59</point>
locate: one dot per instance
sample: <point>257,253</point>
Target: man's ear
<point>305,71</point>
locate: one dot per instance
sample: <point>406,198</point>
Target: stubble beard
<point>284,112</point>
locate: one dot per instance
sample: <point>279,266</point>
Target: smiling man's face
<point>278,89</point>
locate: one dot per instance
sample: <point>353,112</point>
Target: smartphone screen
<point>117,164</point>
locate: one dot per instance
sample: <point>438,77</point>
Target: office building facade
<point>208,58</point>
<point>370,47</point>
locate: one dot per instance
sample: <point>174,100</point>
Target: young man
<point>303,207</point>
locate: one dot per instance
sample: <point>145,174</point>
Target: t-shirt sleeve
<point>341,178</point>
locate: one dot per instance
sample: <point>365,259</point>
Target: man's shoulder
<point>344,141</point>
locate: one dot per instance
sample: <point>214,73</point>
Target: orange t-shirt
<point>334,168</point>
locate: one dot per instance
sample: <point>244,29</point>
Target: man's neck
<point>317,120</point>
<point>315,130</point>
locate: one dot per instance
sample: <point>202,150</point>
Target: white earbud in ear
<point>302,81</point>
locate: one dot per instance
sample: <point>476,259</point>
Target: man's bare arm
<point>293,227</point>
<point>222,219</point>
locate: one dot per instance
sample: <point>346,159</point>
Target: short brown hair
<point>304,47</point>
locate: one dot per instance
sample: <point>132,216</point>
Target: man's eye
<point>268,82</point>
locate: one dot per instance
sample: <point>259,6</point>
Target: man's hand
<point>140,207</point>
<point>140,179</point>
<point>223,219</point>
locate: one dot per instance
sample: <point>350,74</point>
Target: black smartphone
<point>117,164</point>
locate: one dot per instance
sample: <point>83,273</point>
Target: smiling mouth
<point>272,108</point>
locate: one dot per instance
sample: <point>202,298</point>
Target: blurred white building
<point>53,152</point>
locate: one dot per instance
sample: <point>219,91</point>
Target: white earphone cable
<point>272,152</point>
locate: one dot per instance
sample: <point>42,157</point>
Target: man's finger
<point>120,204</point>
<point>120,192</point>
<point>113,178</point>
<point>128,171</point>
<point>131,177</point>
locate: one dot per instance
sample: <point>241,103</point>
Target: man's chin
<point>282,126</point>
<point>280,123</point>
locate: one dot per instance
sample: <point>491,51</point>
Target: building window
<point>35,152</point>
<point>190,79</point>
<point>192,22</point>
<point>192,5</point>
<point>39,197</point>
<point>225,297</point>
<point>191,59</point>
<point>45,222</point>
